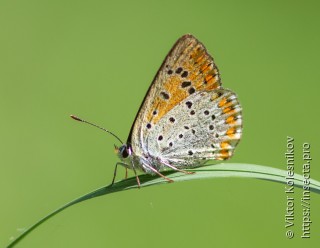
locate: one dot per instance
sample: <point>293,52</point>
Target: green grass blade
<point>205,172</point>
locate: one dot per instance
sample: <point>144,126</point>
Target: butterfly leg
<point>126,175</point>
<point>176,169</point>
<point>115,171</point>
<point>158,173</point>
<point>135,173</point>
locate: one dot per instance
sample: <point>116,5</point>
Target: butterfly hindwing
<point>205,126</point>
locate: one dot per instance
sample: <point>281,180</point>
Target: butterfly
<point>186,117</point>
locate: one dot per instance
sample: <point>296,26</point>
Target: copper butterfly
<point>186,117</point>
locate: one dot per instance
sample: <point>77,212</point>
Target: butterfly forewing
<point>187,69</point>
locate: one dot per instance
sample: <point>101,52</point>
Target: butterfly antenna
<point>84,121</point>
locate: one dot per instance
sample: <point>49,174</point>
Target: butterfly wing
<point>206,125</point>
<point>187,69</point>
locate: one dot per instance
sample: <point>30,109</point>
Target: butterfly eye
<point>125,154</point>
<point>123,150</point>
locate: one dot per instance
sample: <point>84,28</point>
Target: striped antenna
<point>84,121</point>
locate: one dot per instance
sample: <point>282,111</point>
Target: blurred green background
<point>96,59</point>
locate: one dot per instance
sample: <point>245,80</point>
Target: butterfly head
<point>124,152</point>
